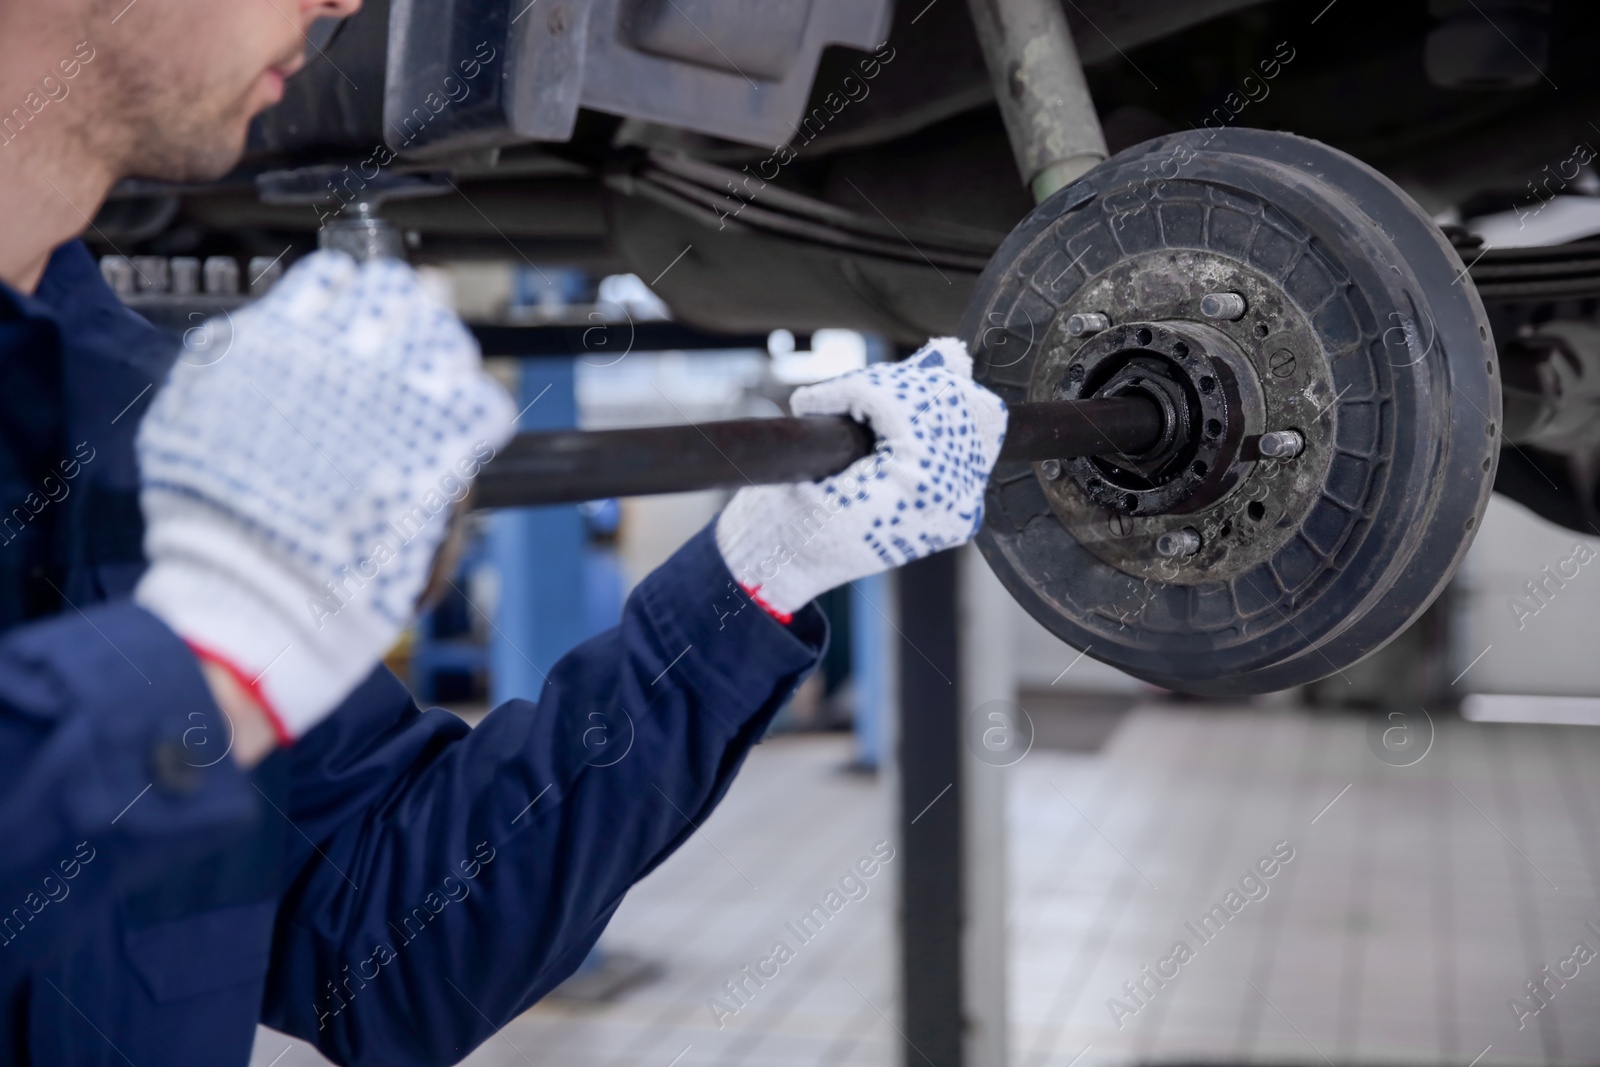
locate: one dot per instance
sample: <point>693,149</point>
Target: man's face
<point>179,80</point>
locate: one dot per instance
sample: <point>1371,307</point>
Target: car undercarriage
<point>842,163</point>
<point>804,164</point>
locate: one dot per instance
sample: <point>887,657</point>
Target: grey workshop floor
<point>1419,900</point>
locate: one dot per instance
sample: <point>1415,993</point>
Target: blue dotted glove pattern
<point>919,493</point>
<point>335,421</point>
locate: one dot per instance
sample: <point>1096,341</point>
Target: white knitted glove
<point>939,434</point>
<point>295,489</point>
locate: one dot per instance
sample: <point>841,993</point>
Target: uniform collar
<point>71,280</point>
<point>89,318</point>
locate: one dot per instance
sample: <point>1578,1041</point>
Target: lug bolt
<point>1226,306</point>
<point>1051,469</point>
<point>1282,444</point>
<point>1184,542</point>
<point>1087,324</point>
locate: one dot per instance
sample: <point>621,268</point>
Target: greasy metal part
<point>467,75</point>
<point>1039,84</point>
<point>1552,388</point>
<point>568,466</point>
<point>736,69</point>
<point>1211,404</point>
<point>541,66</point>
<point>1087,323</point>
<point>518,77</point>
<point>1174,543</point>
<point>759,40</point>
<point>1247,518</point>
<point>603,340</point>
<point>1227,306</point>
<point>1529,274</point>
<point>741,201</point>
<point>346,204</point>
<point>1359,335</point>
<point>362,233</point>
<point>1062,429</point>
<point>1281,444</point>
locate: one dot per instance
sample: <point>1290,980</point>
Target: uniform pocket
<point>203,953</point>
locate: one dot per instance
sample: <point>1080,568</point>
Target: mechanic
<point>218,807</point>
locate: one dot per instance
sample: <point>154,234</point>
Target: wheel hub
<point>1266,372</point>
<point>1209,400</point>
<point>1300,511</point>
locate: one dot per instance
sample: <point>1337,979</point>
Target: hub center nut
<point>1210,403</point>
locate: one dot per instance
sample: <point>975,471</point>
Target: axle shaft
<point>576,465</point>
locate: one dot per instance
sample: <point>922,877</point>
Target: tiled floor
<point>1418,900</point>
<point>1414,908</point>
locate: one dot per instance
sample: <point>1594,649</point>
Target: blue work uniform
<point>394,886</point>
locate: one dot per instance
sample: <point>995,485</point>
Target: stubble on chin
<point>183,145</point>
<point>168,127</point>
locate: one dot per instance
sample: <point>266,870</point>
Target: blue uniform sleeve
<point>480,865</point>
<point>113,768</point>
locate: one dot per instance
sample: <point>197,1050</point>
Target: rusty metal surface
<point>1265,507</point>
<point>1406,418</point>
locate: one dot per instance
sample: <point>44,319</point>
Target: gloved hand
<point>939,434</point>
<point>295,489</point>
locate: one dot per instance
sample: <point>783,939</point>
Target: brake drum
<point>1338,311</point>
